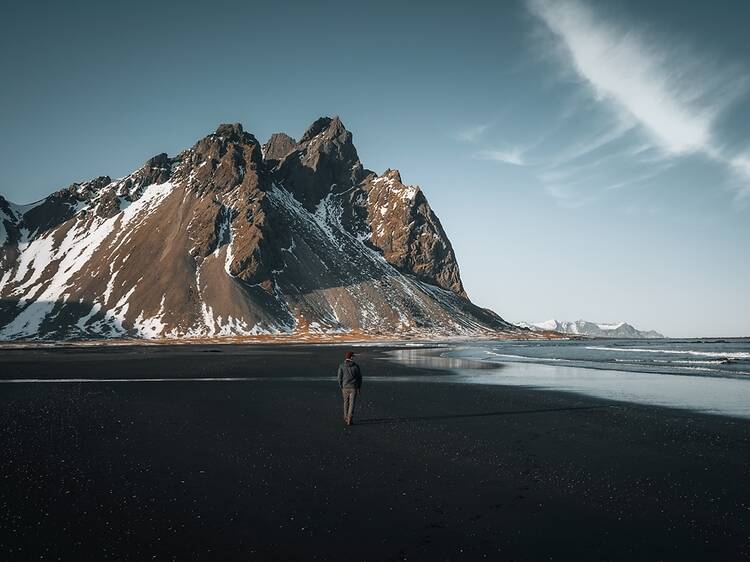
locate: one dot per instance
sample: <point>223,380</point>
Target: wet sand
<point>264,469</point>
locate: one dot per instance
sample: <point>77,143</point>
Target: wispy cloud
<point>567,197</point>
<point>472,134</point>
<point>637,179</point>
<point>674,95</point>
<point>741,167</point>
<point>563,168</point>
<point>611,133</point>
<point>513,156</point>
<point>632,74</point>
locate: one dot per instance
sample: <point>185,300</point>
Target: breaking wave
<point>726,354</point>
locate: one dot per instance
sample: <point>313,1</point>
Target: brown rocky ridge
<point>233,239</point>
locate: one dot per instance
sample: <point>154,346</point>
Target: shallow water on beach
<point>592,368</point>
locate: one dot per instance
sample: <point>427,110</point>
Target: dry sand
<point>264,469</point>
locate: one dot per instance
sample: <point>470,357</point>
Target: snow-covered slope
<point>594,329</point>
<point>231,238</point>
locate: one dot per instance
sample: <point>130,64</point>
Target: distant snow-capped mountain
<point>594,329</point>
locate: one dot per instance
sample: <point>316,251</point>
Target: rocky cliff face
<point>231,238</point>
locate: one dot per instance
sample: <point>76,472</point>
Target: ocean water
<point>704,375</point>
<point>706,357</point>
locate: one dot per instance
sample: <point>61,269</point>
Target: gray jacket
<point>349,375</point>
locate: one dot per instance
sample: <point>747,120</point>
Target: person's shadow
<point>375,421</point>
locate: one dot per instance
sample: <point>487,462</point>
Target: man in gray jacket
<point>350,381</point>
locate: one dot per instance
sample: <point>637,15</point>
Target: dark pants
<point>350,397</point>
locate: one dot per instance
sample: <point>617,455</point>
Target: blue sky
<point>587,159</point>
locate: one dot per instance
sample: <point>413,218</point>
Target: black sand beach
<point>265,469</point>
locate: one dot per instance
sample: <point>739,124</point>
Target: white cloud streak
<point>513,156</point>
<point>594,143</point>
<point>741,168</point>
<point>472,134</point>
<point>673,95</point>
<point>566,197</point>
<point>623,69</point>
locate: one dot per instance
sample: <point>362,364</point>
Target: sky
<point>587,159</point>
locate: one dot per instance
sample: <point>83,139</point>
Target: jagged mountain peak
<point>221,161</point>
<point>317,127</point>
<point>324,161</point>
<point>228,134</point>
<point>233,132</point>
<point>219,240</point>
<point>408,233</point>
<point>229,139</point>
<point>392,174</point>
<point>91,185</point>
<point>277,147</point>
<point>330,127</point>
<point>329,138</point>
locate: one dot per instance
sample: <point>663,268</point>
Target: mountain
<point>231,238</point>
<point>593,329</point>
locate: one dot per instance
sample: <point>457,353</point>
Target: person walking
<point>350,381</point>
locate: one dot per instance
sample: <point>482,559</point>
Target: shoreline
<point>343,338</point>
<point>281,339</point>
